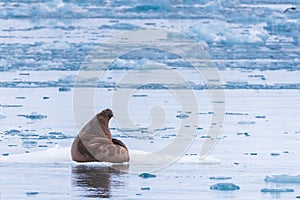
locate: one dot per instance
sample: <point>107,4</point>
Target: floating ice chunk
<point>182,116</point>
<point>225,187</point>
<point>224,32</point>
<point>64,89</point>
<point>2,116</point>
<point>31,193</point>
<point>246,122</point>
<point>4,63</point>
<point>145,57</point>
<point>33,116</point>
<point>56,45</point>
<point>20,97</point>
<point>140,95</point>
<point>275,154</point>
<point>147,175</point>
<point>149,8</point>
<point>232,113</point>
<point>67,79</point>
<point>277,190</point>
<point>220,177</point>
<point>24,73</point>
<point>205,136</point>
<point>10,105</point>
<point>55,135</point>
<point>260,117</point>
<point>120,26</point>
<point>153,86</point>
<point>12,132</point>
<point>145,188</point>
<point>283,179</point>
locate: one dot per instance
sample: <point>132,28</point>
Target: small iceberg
<point>277,190</point>
<point>225,187</point>
<point>282,179</point>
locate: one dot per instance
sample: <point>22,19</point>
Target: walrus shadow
<point>97,181</point>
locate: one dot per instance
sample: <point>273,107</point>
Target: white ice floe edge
<point>59,154</point>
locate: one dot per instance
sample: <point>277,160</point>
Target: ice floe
<point>62,154</point>
<point>147,175</point>
<point>276,190</point>
<point>225,187</point>
<point>56,154</point>
<point>283,179</point>
<point>220,177</point>
<point>33,116</point>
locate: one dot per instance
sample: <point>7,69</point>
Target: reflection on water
<point>97,181</point>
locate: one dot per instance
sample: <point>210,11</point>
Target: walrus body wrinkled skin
<point>94,142</point>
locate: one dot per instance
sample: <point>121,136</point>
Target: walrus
<point>94,142</point>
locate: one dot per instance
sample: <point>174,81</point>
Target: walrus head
<point>103,119</point>
<point>106,114</point>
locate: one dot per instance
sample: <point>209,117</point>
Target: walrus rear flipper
<point>106,151</point>
<point>118,142</point>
